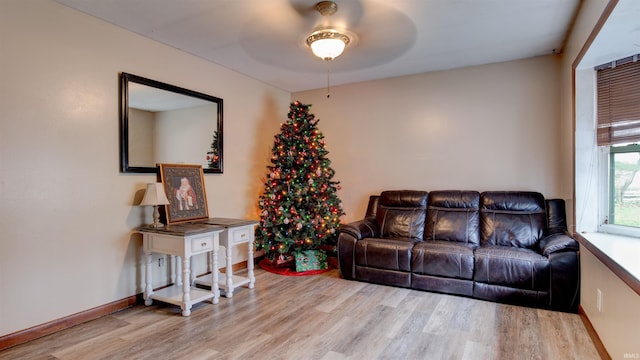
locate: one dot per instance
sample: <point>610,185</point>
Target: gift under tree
<point>299,208</point>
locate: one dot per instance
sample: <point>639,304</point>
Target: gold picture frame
<point>184,186</point>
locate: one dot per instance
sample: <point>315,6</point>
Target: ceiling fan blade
<point>378,33</point>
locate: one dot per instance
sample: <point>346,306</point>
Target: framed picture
<point>184,185</point>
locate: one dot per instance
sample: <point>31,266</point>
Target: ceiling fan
<point>327,43</point>
<point>281,35</point>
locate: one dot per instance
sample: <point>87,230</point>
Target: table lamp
<point>155,196</point>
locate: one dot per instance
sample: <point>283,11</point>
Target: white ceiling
<point>264,39</point>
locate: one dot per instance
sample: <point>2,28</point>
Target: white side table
<point>236,231</point>
<point>184,241</point>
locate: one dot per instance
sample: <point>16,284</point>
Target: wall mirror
<point>162,123</point>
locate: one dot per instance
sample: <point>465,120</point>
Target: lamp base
<point>156,218</point>
<point>156,225</point>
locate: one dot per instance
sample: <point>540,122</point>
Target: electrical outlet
<point>161,263</point>
<point>599,300</point>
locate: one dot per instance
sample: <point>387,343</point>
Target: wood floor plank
<point>503,335</point>
<point>474,350</point>
<point>564,332</point>
<point>581,347</point>
<point>528,336</point>
<point>408,339</point>
<point>321,317</point>
<point>396,296</point>
<point>440,317</point>
<point>482,322</point>
<point>245,349</point>
<point>325,340</point>
<point>341,294</point>
<point>333,356</point>
<point>98,347</point>
<point>392,324</point>
<point>64,339</point>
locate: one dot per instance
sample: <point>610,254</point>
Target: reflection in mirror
<point>162,123</point>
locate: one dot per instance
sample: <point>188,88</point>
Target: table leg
<point>228,291</point>
<point>252,278</point>
<point>186,287</point>
<point>215,286</point>
<point>192,277</point>
<point>148,290</point>
<point>173,269</point>
<point>178,273</point>
<point>210,264</point>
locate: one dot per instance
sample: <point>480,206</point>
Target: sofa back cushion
<point>372,206</point>
<point>401,214</point>
<point>556,216</point>
<point>453,216</point>
<point>512,218</point>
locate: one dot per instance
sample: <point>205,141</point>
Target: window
<point>618,132</point>
<point>624,185</point>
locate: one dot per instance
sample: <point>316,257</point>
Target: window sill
<point>619,253</point>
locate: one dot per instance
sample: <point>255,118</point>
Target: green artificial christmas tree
<point>212,155</point>
<point>299,208</point>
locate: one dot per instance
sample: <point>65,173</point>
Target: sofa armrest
<point>558,242</point>
<point>349,235</point>
<point>564,291</point>
<point>361,229</point>
<point>564,266</point>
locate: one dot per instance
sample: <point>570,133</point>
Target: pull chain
<point>328,78</point>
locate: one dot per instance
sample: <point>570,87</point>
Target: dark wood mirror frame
<point>125,167</point>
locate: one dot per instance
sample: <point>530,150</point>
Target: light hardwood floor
<point>321,317</point>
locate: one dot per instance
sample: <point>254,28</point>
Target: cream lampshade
<point>154,196</point>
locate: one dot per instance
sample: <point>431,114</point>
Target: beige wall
<point>490,127</point>
<point>66,213</point>
<point>618,324</point>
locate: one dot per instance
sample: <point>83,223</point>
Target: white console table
<point>184,241</point>
<point>236,231</point>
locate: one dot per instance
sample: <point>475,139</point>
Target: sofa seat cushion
<point>513,267</point>
<point>443,258</point>
<point>389,254</point>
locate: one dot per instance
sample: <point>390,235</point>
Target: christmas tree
<point>299,208</point>
<point>212,155</point>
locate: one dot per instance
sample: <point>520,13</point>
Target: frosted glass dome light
<point>327,44</point>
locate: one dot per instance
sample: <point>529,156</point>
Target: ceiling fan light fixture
<point>326,8</point>
<point>327,44</point>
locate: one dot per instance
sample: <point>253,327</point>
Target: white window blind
<point>618,92</point>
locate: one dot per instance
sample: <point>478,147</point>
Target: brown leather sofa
<point>504,246</point>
